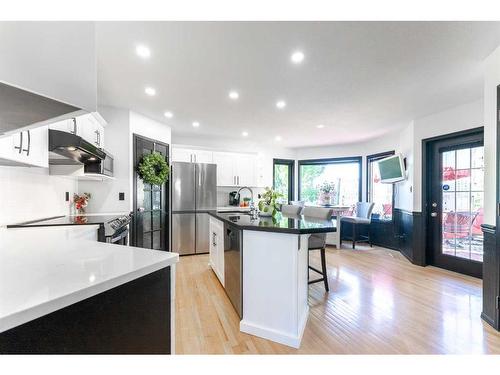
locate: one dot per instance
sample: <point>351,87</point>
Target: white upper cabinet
<point>225,168</point>
<point>245,169</point>
<point>189,155</point>
<point>26,148</point>
<point>53,59</point>
<point>235,169</point>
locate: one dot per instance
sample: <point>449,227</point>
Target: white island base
<point>275,286</point>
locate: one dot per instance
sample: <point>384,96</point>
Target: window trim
<point>290,163</point>
<point>372,158</point>
<point>342,160</point>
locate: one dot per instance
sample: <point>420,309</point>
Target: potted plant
<point>268,205</point>
<point>326,192</point>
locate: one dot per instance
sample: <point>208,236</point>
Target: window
<point>340,176</point>
<point>283,178</point>
<point>377,192</point>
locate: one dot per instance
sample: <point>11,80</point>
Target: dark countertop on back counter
<point>279,224</point>
<point>68,220</point>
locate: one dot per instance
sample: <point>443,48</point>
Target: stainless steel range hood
<point>20,109</point>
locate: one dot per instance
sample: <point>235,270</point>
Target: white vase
<point>264,213</point>
<point>325,198</point>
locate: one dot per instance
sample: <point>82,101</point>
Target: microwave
<point>101,166</point>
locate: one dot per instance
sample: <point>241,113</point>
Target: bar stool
<point>290,210</point>
<point>317,241</point>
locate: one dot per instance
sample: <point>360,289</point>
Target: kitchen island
<point>62,295</point>
<point>273,270</point>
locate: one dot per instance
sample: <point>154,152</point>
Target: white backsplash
<point>31,193</point>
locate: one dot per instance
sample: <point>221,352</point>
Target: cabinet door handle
<point>27,150</point>
<point>20,147</point>
<point>214,237</point>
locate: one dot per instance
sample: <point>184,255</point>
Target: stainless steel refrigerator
<point>194,192</point>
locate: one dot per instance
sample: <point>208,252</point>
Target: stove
<point>112,228</point>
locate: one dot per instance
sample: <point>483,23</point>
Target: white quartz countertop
<point>44,273</point>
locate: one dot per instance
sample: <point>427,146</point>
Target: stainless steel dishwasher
<point>233,266</point>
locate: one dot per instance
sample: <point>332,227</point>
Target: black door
<point>283,178</point>
<point>455,202</point>
<point>150,227</point>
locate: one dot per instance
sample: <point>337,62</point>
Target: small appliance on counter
<point>234,199</point>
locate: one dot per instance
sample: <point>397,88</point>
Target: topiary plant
<point>153,169</point>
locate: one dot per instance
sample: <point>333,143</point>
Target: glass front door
<point>456,204</point>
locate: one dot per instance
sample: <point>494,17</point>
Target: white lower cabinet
<point>216,247</point>
<point>26,148</point>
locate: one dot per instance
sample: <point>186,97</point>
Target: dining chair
<point>363,217</point>
<point>317,241</point>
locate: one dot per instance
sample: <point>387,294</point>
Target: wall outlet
<point>121,196</point>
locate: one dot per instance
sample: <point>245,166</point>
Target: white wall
<point>491,81</point>
<point>122,124</point>
<point>463,117</point>
<point>31,193</point>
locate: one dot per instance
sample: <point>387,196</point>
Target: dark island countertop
<point>279,223</point>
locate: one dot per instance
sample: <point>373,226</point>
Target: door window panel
<point>463,202</point>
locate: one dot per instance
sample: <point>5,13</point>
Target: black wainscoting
<point>133,318</point>
<point>403,233</point>
<point>491,277</point>
<point>408,226</point>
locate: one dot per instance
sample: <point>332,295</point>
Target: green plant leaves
<point>153,169</point>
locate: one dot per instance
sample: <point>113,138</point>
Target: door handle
<point>27,150</point>
<point>140,209</point>
<point>20,147</point>
<point>434,214</point>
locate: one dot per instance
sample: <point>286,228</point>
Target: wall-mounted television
<point>392,169</point>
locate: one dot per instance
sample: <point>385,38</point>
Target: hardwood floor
<point>378,303</point>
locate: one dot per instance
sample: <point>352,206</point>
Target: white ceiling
<point>359,79</point>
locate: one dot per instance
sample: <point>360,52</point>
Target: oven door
<point>119,238</point>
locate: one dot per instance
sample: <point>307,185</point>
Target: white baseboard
<point>281,337</point>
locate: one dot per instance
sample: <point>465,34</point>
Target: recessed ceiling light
<point>150,91</point>
<point>320,126</point>
<point>297,57</point>
<point>234,95</point>
<point>196,124</point>
<point>280,104</point>
<point>168,114</point>
<point>143,51</point>
<point>244,134</point>
<point>278,138</point>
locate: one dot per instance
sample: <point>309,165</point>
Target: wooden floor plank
<point>378,303</point>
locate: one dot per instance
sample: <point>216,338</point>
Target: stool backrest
<point>364,209</point>
<point>298,203</point>
<point>318,212</point>
<point>291,210</point>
